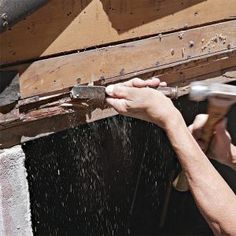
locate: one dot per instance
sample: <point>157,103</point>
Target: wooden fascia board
<point>209,51</point>
<point>126,60</point>
<point>63,26</point>
<point>35,124</point>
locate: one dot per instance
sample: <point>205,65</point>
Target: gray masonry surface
<point>15,217</point>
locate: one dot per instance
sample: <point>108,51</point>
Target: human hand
<point>137,98</point>
<point>220,148</point>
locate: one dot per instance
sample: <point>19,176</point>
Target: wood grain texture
<point>67,25</point>
<point>191,47</point>
<point>38,123</point>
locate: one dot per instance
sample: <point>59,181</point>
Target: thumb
<point>116,91</point>
<point>120,91</point>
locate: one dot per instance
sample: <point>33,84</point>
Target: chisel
<point>97,93</point>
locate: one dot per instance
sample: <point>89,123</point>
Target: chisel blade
<point>84,92</point>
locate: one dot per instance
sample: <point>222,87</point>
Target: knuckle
<point>199,121</point>
<point>137,82</point>
<point>128,105</point>
<point>136,79</point>
<point>201,117</point>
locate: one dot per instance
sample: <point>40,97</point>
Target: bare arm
<point>215,199</point>
<point>221,148</point>
<point>213,196</point>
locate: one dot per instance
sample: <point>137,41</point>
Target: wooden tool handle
<point>216,114</point>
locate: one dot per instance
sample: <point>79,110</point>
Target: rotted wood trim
<point>31,130</point>
<point>45,121</point>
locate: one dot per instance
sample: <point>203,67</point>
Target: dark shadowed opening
<point>82,181</point>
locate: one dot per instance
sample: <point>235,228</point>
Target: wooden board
<point>23,132</point>
<point>190,48</point>
<point>36,124</point>
<point>68,25</point>
<point>195,52</point>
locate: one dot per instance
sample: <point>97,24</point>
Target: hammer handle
<point>216,113</point>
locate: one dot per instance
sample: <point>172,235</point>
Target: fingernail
<point>109,89</point>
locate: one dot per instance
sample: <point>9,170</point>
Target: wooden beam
<point>45,121</point>
<point>190,48</point>
<point>45,106</point>
<point>63,26</point>
<point>23,132</point>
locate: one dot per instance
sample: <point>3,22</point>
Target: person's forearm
<point>215,199</point>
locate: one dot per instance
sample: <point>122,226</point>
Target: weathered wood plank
<point>43,122</point>
<point>181,75</point>
<point>62,26</point>
<point>23,132</point>
<point>191,47</point>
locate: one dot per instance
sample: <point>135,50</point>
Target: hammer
<point>220,99</point>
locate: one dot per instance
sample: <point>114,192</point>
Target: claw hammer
<point>220,99</point>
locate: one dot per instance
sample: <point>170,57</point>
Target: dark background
<point>82,181</point>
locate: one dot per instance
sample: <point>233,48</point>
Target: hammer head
<point>200,91</point>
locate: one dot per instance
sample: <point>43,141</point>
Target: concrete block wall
<point>15,217</point>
